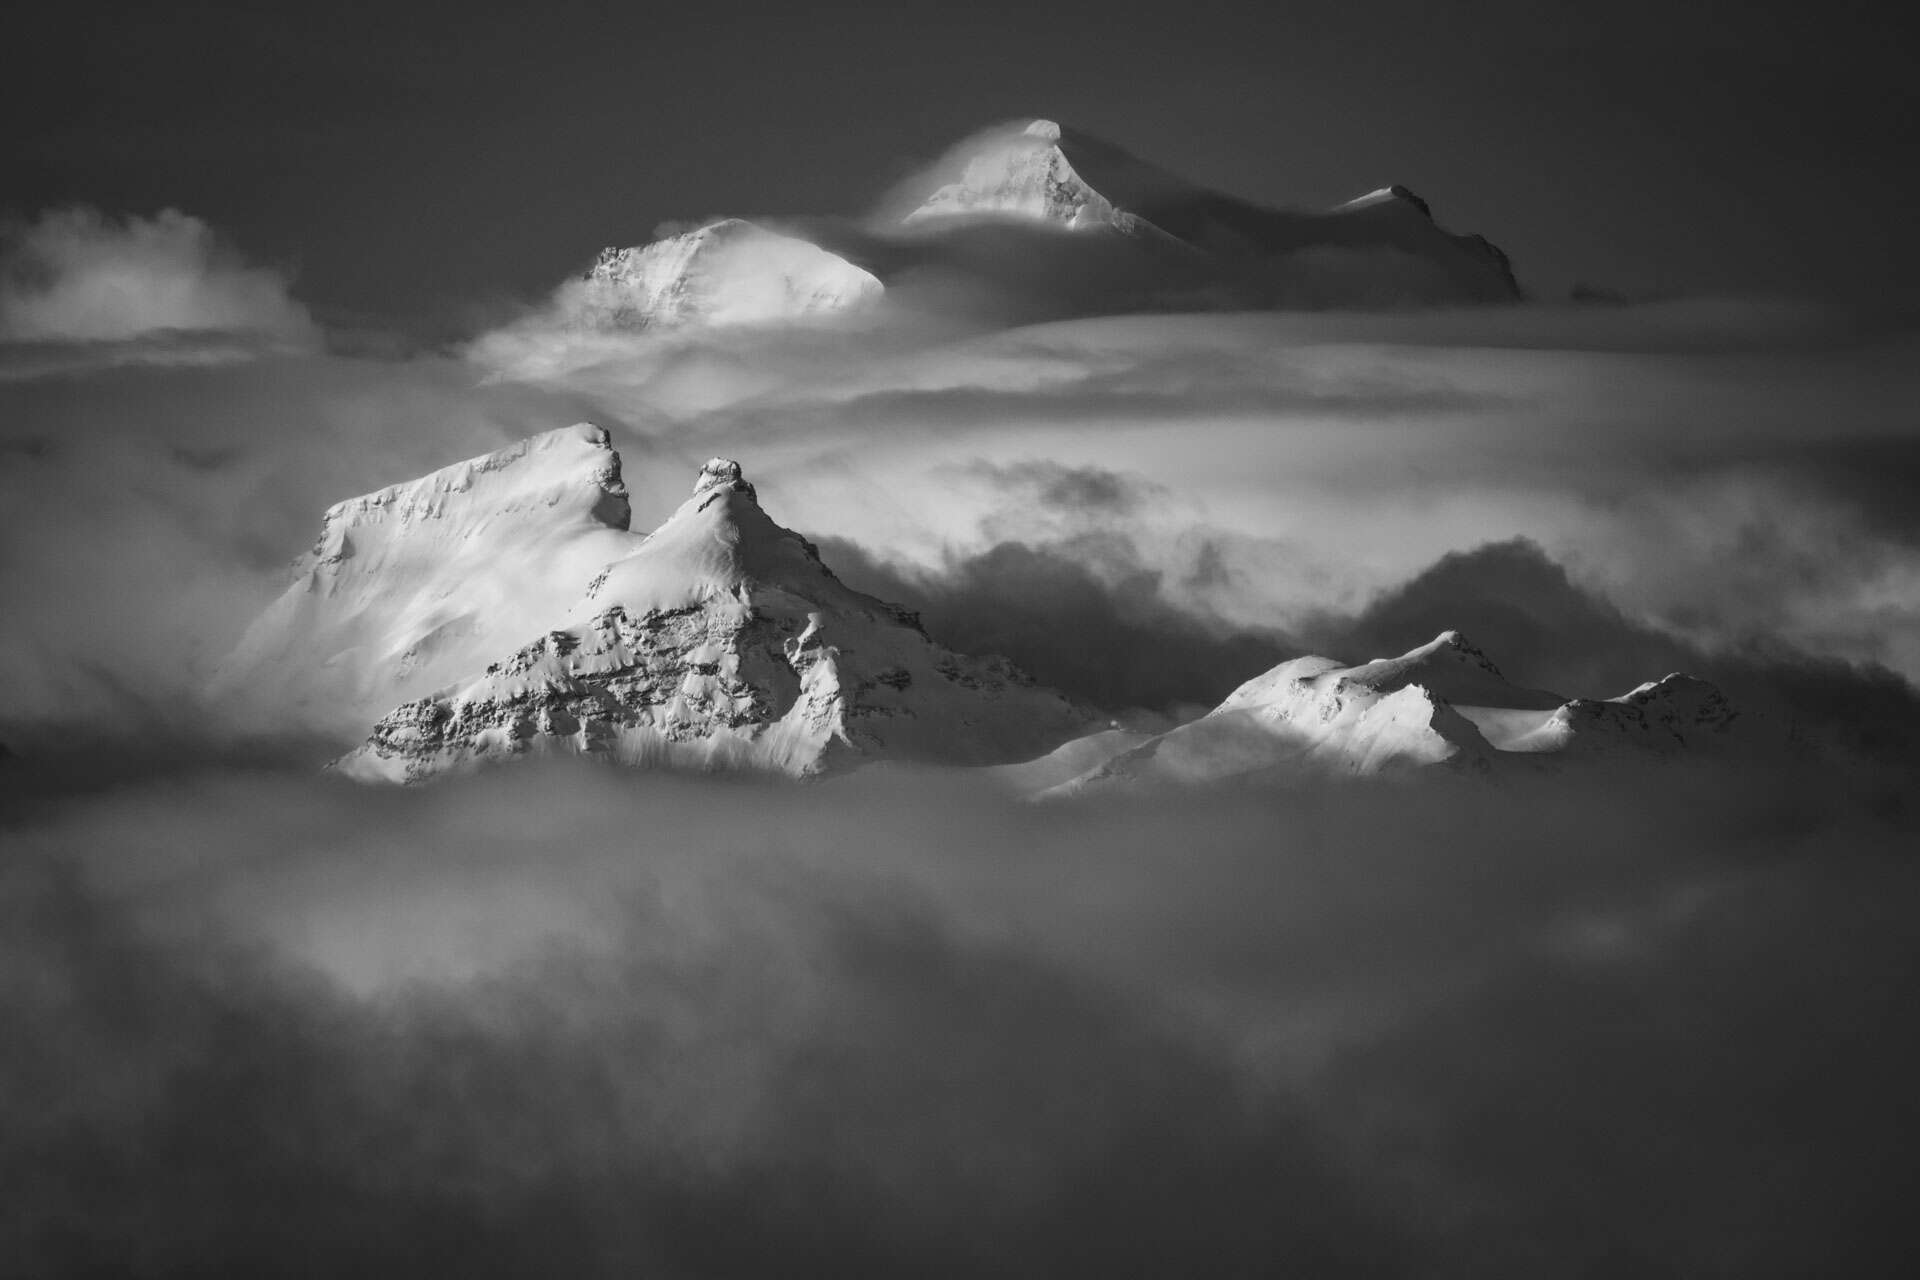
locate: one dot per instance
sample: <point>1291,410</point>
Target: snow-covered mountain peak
<point>1022,172</point>
<point>719,543</point>
<point>409,585</point>
<point>729,272</point>
<point>722,641</point>
<point>1671,713</point>
<point>1383,248</point>
<point>1449,666</point>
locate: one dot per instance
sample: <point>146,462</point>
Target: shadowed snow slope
<point>409,587</point>
<point>1442,705</point>
<point>724,642</point>
<point>1381,248</point>
<point>729,272</point>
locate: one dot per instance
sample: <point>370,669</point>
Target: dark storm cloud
<point>1112,639</point>
<point>1075,604</point>
<point>568,1020</point>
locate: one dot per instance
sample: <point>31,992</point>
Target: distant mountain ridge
<point>1443,706</point>
<point>1140,238</point>
<point>1048,173</point>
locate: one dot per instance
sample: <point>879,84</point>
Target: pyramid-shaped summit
<point>723,641</point>
<point>1023,173</point>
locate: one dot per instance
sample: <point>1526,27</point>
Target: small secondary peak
<point>1044,129</point>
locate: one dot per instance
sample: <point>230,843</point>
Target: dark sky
<point>430,161</point>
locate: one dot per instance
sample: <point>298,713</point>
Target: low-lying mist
<point>575,1021</point>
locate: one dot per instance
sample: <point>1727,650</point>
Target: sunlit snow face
<point>1716,472</point>
<point>1016,172</point>
<point>726,274</point>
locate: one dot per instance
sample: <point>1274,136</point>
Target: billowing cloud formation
<point>573,1021</point>
<point>554,1021</point>
<point>77,275</point>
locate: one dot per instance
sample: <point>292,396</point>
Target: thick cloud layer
<point>554,1021</point>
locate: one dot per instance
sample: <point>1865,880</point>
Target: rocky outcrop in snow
<point>723,641</point>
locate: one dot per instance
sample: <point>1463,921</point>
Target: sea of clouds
<point>559,1021</point>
